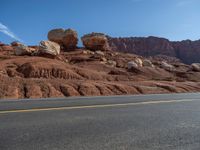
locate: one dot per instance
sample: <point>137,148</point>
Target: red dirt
<point>81,73</point>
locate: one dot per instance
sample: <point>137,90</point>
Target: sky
<point>29,21</point>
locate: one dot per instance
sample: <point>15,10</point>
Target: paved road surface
<point>146,122</point>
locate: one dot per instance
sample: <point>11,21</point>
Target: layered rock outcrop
<point>187,51</point>
<point>85,74</point>
<point>95,70</point>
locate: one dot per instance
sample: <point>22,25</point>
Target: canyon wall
<point>187,51</point>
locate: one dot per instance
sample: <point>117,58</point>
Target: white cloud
<point>4,29</point>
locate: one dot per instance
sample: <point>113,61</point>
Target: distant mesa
<point>187,51</point>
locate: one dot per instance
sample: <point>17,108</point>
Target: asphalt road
<point>145,122</point>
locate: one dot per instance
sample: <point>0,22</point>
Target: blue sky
<point>30,20</point>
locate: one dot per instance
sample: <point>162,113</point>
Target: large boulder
<point>195,67</point>
<point>95,41</point>
<point>56,35</point>
<point>67,38</point>
<point>49,49</point>
<point>70,39</point>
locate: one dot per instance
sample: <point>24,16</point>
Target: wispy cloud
<point>4,29</point>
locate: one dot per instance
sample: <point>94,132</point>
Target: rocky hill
<point>187,51</point>
<point>58,68</point>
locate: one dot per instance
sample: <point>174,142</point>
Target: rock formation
<point>187,51</point>
<point>49,49</point>
<point>95,70</point>
<point>67,38</point>
<point>95,41</point>
<point>70,39</point>
<point>56,35</point>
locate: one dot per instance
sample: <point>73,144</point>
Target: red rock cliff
<point>187,51</point>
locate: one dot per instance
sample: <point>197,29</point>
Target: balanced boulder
<point>67,38</point>
<point>56,35</point>
<point>95,41</point>
<point>70,39</point>
<point>49,49</point>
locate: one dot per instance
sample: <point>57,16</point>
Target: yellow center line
<point>95,106</point>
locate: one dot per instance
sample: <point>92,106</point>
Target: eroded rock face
<point>67,38</point>
<point>49,49</point>
<point>187,51</point>
<point>49,70</point>
<point>33,91</point>
<point>69,90</point>
<point>82,75</point>
<point>95,41</point>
